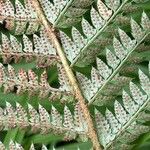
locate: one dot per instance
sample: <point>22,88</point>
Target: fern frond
<point>23,81</point>
<point>20,19</point>
<point>41,121</point>
<point>64,13</point>
<point>115,59</point>
<point>41,49</point>
<point>124,123</point>
<point>74,30</point>
<point>100,20</point>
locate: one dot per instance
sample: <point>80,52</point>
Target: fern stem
<point>129,122</point>
<point>62,13</point>
<point>117,69</point>
<point>50,31</point>
<point>97,34</point>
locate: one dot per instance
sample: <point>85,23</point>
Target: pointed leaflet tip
<point>88,30</point>
<point>103,69</point>
<point>8,105</point>
<point>18,146</point>
<point>112,59</point>
<point>96,111</point>
<point>119,49</point>
<point>120,113</point>
<point>30,107</point>
<point>97,21</point>
<point>129,104</point>
<point>56,118</point>
<point>144,81</point>
<point>145,21</point>
<point>136,30</point>
<point>138,96</point>
<point>126,40</point>
<point>103,10</point>
<point>44,147</point>
<point>32,147</point>
<point>78,38</point>
<point>68,118</point>
<point>69,46</point>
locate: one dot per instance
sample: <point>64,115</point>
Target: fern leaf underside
<point>104,38</point>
